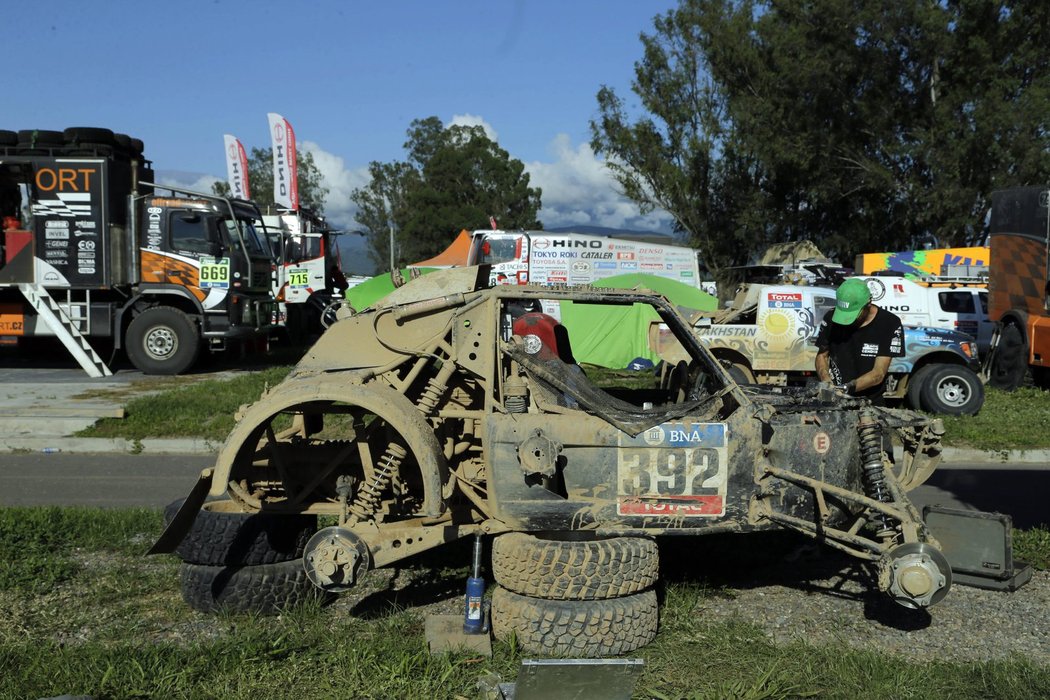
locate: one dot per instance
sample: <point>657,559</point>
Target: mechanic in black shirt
<point>856,341</point>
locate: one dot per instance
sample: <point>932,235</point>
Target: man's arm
<point>872,377</point>
<point>823,364</point>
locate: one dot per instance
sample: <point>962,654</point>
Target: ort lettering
<point>64,179</point>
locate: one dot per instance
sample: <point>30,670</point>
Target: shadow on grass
<point>435,576</point>
<point>765,559</point>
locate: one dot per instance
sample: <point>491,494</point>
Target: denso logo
<point>775,296</point>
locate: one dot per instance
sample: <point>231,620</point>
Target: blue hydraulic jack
<point>469,631</point>
<point>475,610</point>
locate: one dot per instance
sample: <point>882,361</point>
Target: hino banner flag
<point>285,177</point>
<point>237,168</point>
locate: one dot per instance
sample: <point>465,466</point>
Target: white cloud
<point>474,120</point>
<point>579,190</point>
<point>340,181</point>
<point>195,182</point>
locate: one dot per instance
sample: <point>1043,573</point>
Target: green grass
<point>203,409</point>
<point>111,624</point>
<point>1018,420</point>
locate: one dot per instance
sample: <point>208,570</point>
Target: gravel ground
<point>823,598</point>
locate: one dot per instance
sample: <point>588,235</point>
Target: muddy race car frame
<point>451,409</point>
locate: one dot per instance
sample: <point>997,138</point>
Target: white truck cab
<point>768,336</point>
<point>953,303</point>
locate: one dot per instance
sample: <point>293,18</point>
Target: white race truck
<point>951,303</point>
<point>768,336</point>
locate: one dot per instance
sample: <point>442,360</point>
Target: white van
<point>952,303</point>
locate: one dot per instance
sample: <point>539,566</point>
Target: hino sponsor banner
<point>68,212</point>
<point>285,175</point>
<point>588,258</point>
<point>237,167</point>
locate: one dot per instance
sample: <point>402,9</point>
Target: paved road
<point>120,480</point>
<point>109,481</point>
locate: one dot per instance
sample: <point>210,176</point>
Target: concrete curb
<point>197,446</point>
<point>75,445</point>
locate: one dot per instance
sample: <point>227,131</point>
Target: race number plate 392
<point>673,470</point>
<point>215,273</point>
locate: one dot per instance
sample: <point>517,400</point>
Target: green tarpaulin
<point>370,291</point>
<point>612,336</point>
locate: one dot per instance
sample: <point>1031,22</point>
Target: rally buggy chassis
<point>442,413</point>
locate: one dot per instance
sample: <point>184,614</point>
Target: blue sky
<point>349,76</point>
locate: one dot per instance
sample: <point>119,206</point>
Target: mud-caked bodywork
<point>451,409</point>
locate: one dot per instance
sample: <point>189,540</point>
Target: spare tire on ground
<point>574,570</point>
<point>220,538</point>
<point>582,628</point>
<point>268,588</point>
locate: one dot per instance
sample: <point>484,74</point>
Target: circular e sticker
<point>821,443</point>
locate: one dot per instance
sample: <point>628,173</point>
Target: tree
<point>858,124</point>
<point>312,191</point>
<point>453,178</point>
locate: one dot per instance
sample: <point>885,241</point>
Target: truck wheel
<point>8,138</point>
<point>162,340</point>
<point>740,373</point>
<point>584,628</point>
<point>1011,359</point>
<point>260,589</point>
<point>218,538</point>
<point>581,570</point>
<point>1041,377</point>
<point>914,395</point>
<point>953,390</point>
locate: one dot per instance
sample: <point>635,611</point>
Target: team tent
<point>613,336</point>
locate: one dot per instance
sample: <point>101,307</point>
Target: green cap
<point>852,296</point>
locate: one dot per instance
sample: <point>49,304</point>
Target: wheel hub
<point>335,558</point>
<point>161,342</point>
<point>953,393</point>
<point>919,575</point>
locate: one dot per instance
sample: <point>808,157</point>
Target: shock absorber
<point>435,388</point>
<point>367,500</point>
<point>872,468</point>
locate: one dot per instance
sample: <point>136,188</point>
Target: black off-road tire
<point>162,340</point>
<point>1011,359</point>
<point>952,390</point>
<point>263,589</point>
<point>913,397</point>
<point>565,570</point>
<point>8,138</point>
<point>76,135</point>
<point>33,138</point>
<point>584,628</point>
<point>242,539</point>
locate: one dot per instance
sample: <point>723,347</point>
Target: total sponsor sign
<point>784,300</point>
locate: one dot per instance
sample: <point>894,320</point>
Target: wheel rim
<point>953,391</point>
<point>161,343</point>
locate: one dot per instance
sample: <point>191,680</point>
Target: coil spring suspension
<point>435,388</point>
<point>367,500</point>
<point>872,468</point>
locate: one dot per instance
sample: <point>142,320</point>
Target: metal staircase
<point>65,329</point>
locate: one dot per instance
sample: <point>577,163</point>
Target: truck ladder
<point>65,329</point>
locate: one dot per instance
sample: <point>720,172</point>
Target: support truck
<point>1019,286</point>
<point>92,250</point>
